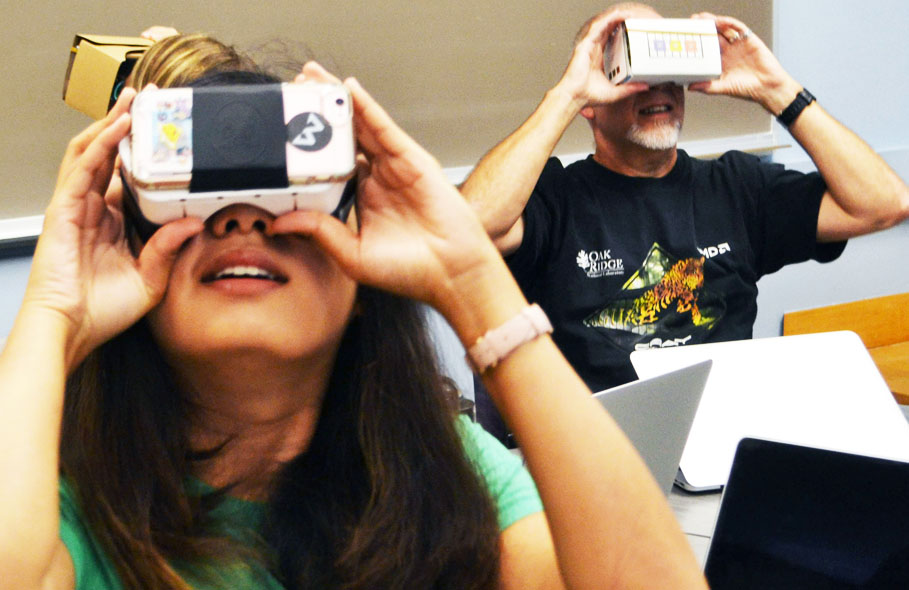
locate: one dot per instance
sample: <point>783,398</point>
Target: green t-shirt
<point>510,486</point>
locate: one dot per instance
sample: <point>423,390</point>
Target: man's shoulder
<point>562,175</point>
<point>725,157</point>
<point>573,164</point>
<point>733,163</point>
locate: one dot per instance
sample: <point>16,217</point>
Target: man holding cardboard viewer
<point>641,245</point>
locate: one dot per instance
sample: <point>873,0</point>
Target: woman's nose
<point>243,219</point>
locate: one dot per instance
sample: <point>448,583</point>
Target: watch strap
<point>795,108</point>
<point>499,342</point>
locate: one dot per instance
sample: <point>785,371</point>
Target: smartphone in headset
<point>281,147</point>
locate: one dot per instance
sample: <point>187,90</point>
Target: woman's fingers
<point>314,72</point>
<point>80,143</point>
<point>158,255</point>
<point>376,131</point>
<point>331,234</point>
<point>78,147</point>
<point>92,169</point>
<point>123,104</point>
<point>397,161</point>
<point>114,194</point>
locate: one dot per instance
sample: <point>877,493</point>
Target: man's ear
<point>587,113</point>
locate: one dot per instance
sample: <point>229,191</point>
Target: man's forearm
<point>863,193</point>
<point>500,185</point>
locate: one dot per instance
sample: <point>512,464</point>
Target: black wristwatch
<point>795,108</point>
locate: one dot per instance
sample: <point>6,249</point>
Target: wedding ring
<point>746,33</point>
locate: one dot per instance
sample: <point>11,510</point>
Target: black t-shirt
<point>622,263</point>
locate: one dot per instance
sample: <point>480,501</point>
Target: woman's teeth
<point>245,272</point>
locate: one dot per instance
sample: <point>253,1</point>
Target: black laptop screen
<point>796,517</point>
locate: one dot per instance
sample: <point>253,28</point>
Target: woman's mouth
<point>243,271</point>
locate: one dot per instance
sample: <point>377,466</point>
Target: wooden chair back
<point>881,322</point>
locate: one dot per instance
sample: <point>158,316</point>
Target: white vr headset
<point>281,147</point>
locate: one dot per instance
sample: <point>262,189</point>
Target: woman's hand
<point>83,271</point>
<point>417,236</point>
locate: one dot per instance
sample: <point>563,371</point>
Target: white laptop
<point>819,390</point>
<point>656,415</point>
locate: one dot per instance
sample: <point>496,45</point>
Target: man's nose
<point>243,219</point>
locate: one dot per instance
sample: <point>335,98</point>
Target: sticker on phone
<point>309,132</point>
<point>172,136</point>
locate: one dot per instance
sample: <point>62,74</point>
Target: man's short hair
<point>582,32</point>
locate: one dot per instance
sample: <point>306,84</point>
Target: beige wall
<point>458,75</point>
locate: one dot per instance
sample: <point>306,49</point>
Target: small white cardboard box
<point>657,50</point>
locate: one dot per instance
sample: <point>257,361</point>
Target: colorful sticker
<point>675,45</point>
<point>172,135</point>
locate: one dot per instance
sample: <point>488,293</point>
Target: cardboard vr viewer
<point>98,68</point>
<point>658,50</point>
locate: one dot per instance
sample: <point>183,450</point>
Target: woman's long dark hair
<point>384,496</point>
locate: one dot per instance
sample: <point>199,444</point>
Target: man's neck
<point>637,161</point>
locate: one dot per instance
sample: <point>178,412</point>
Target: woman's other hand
<point>83,271</point>
<point>417,236</point>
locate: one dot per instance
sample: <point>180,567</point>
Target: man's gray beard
<point>663,137</point>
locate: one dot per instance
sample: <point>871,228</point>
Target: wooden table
<point>696,514</point>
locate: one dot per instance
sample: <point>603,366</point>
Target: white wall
<point>852,55</point>
<point>13,275</point>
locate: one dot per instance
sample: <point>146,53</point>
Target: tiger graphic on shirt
<point>666,294</point>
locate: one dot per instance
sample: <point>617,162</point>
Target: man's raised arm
<point>500,185</point>
<point>863,193</point>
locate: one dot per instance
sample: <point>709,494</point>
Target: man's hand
<point>584,78</point>
<point>750,70</point>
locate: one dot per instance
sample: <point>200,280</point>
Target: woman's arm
<point>84,287</point>
<point>610,523</point>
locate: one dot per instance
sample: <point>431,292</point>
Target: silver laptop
<point>656,414</point>
<point>796,517</point>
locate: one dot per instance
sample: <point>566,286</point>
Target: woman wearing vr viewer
<point>169,421</point>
